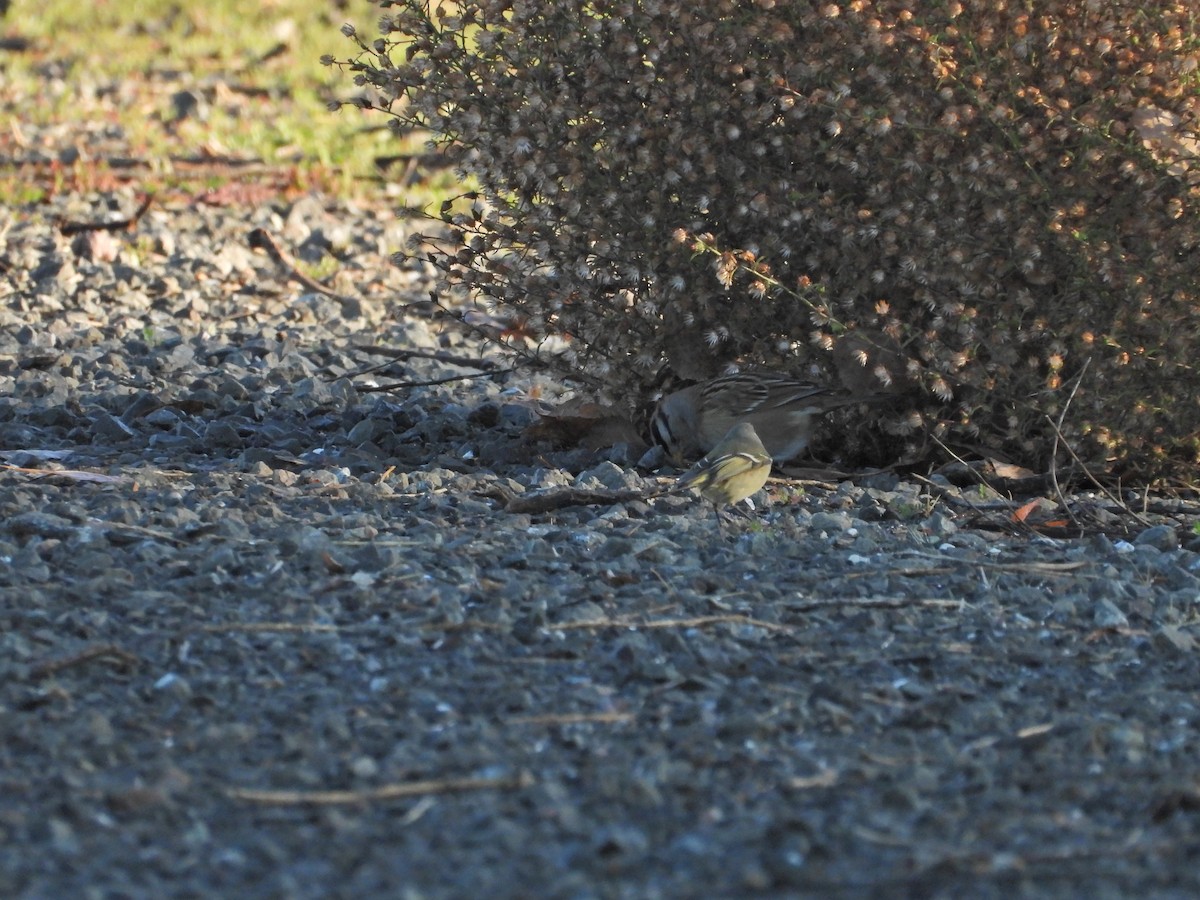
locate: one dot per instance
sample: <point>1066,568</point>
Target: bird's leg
<point>742,512</point>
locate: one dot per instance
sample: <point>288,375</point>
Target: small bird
<point>780,408</point>
<point>734,469</point>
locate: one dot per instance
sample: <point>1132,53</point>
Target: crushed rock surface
<point>268,632</point>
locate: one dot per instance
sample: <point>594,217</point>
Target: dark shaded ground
<point>265,635</point>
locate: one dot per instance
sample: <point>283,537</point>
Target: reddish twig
<point>69,228</point>
<point>118,655</point>
<point>260,240</point>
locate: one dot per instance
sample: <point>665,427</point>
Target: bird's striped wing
<point>731,465</point>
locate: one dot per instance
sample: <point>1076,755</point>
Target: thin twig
<point>257,627</point>
<point>962,462</point>
<point>435,355</point>
<point>397,385</point>
<point>260,240</point>
<point>140,530</point>
<point>695,622</point>
<point>874,603</point>
<point>641,624</point>
<point>69,228</point>
<point>1082,465</point>
<point>1033,568</point>
<point>385,792</point>
<point>1058,436</point>
<point>614,718</point>
<point>978,864</point>
<point>958,499</point>
<point>1019,523</point>
<point>118,655</point>
<point>560,498</point>
<point>68,474</point>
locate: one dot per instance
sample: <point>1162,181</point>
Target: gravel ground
<point>265,632</point>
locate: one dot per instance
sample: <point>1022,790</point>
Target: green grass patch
<point>166,84</point>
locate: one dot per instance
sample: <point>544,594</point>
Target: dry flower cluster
<point>1002,195</point>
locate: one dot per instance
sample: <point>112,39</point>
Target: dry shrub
<point>998,198</point>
